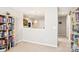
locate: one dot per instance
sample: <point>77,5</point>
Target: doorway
<point>61,26</point>
<point>62,36</point>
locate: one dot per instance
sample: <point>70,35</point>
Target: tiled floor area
<point>63,46</point>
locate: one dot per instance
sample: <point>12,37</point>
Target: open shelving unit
<point>6,32</point>
<point>75,31</point>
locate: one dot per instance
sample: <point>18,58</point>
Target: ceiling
<point>31,10</point>
<point>63,11</point>
<point>39,11</point>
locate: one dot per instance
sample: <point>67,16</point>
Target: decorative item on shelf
<point>7,13</point>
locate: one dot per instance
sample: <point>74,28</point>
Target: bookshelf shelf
<point>3,30</point>
<point>10,23</point>
<point>2,23</point>
<point>2,38</point>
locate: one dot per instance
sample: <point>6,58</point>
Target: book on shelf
<point>11,20</point>
<point>3,27</point>
<point>3,34</point>
<point>3,19</point>
<point>2,44</point>
<point>10,33</point>
<point>11,41</point>
<point>11,27</point>
<point>77,16</point>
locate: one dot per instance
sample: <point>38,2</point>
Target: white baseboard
<point>18,41</point>
<point>39,43</point>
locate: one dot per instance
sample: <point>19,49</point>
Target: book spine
<point>0,19</point>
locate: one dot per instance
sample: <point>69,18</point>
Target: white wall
<point>41,23</point>
<point>47,36</point>
<point>68,29</point>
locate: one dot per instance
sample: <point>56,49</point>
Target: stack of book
<point>10,33</point>
<point>3,27</point>
<point>2,44</point>
<point>11,20</point>
<point>3,19</point>
<point>11,27</point>
<point>11,40</point>
<point>2,34</point>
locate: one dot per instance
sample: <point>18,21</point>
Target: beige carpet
<point>31,47</point>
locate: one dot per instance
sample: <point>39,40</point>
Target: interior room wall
<point>42,23</point>
<point>47,36</point>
